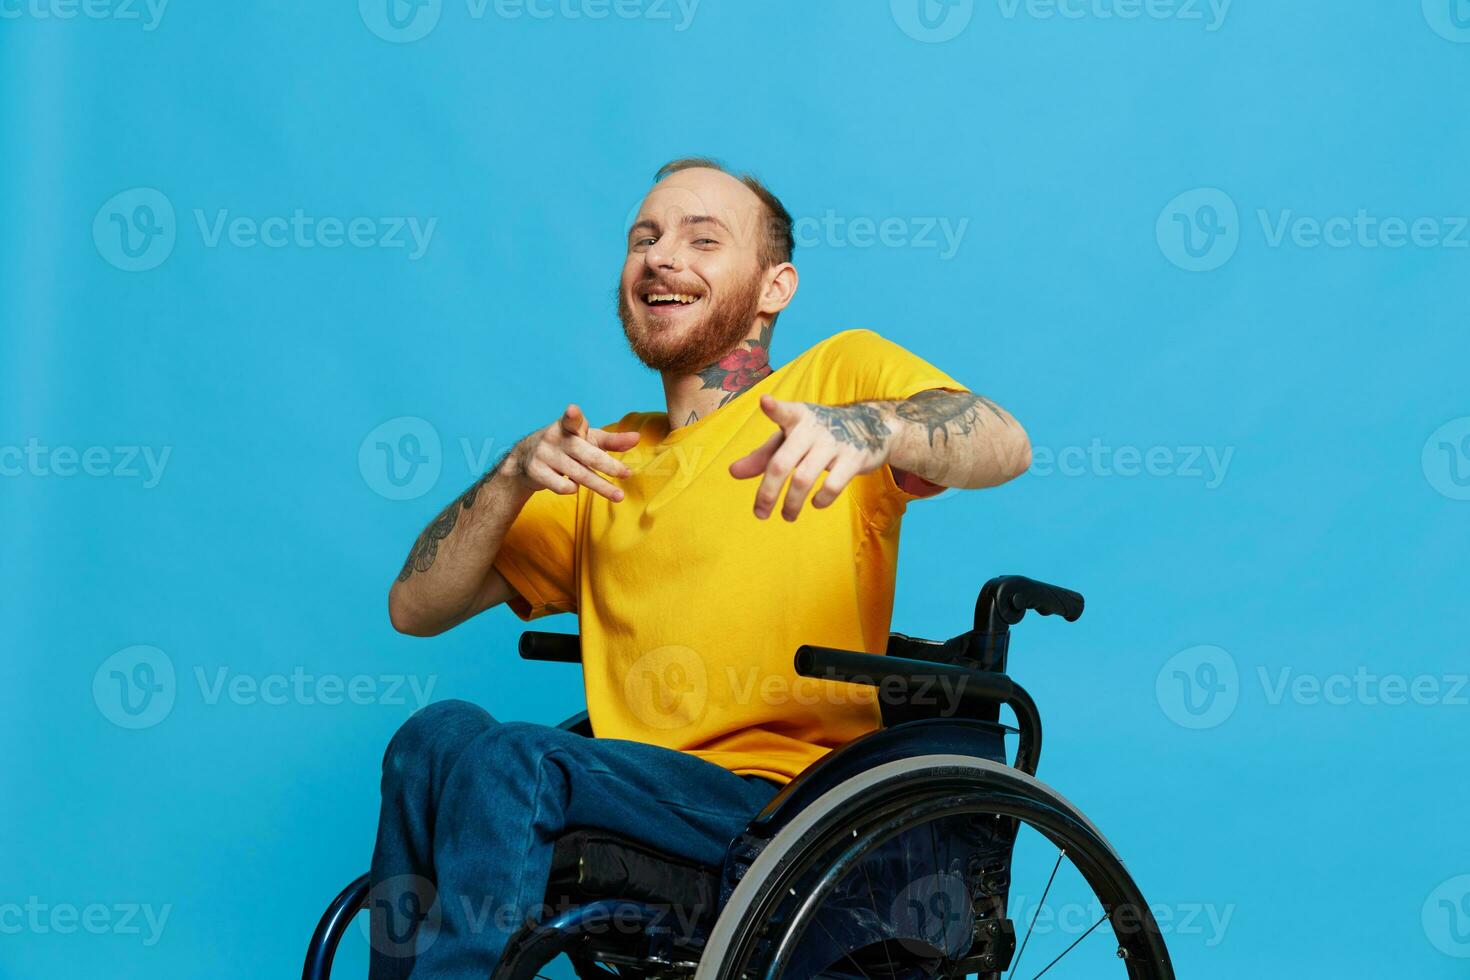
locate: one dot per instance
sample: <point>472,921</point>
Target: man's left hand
<point>842,440</point>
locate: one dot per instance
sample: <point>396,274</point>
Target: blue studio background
<point>1213,257</point>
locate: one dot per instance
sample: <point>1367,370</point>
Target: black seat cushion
<point>589,864</point>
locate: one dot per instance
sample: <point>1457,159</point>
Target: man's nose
<point>664,255</point>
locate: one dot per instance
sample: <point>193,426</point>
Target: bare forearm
<point>955,439</point>
<point>448,575</point>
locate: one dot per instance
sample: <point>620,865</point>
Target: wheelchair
<point>898,855</point>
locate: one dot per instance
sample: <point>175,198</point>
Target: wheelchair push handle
<point>1004,600</point>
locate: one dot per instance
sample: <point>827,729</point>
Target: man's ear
<point>779,290</point>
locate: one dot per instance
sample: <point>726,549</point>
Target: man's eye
<point>705,241</point>
<point>643,242</point>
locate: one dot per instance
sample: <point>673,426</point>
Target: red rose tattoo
<point>740,368</point>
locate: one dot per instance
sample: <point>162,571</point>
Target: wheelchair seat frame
<point>857,807</point>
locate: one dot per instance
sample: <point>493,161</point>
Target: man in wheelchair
<point>659,532</point>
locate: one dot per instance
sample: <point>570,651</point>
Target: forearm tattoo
<point>948,412</point>
<point>858,424</point>
<point>425,550</point>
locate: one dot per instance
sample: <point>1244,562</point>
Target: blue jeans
<point>472,806</point>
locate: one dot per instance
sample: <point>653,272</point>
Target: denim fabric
<point>472,806</point>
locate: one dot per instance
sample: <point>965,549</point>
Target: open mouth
<point>668,302</point>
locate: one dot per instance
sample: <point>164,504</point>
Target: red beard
<point>723,326</point>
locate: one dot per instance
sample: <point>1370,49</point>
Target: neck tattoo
<point>739,369</point>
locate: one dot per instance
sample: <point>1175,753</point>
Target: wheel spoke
<point>873,894</point>
<point>848,956</point>
<point>1037,914</point>
<point>1074,944</point>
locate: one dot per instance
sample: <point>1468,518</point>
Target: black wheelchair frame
<point>946,768</point>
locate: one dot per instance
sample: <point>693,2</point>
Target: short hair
<point>779,240</point>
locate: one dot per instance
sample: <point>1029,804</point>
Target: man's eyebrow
<point>699,219</point>
<point>690,219</point>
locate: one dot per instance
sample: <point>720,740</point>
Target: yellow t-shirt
<point>691,608</point>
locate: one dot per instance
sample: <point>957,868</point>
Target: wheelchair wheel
<point>914,870</point>
<point>607,939</point>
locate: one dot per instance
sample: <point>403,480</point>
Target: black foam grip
<point>1048,600</point>
<point>562,648</point>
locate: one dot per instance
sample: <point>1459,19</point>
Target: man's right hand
<point>568,453</point>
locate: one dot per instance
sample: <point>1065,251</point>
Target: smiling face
<point>695,283</point>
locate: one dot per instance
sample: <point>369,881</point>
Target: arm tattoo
<point>947,412</point>
<point>426,549</point>
<point>858,424</point>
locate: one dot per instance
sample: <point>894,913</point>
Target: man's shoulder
<point>634,422</point>
<point>846,349</point>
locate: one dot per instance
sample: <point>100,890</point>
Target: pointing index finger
<point>573,422</point>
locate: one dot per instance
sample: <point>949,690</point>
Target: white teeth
<point>685,298</point>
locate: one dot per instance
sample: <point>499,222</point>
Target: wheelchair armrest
<point>968,692</point>
<point>903,676</point>
<point>561,648</point>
